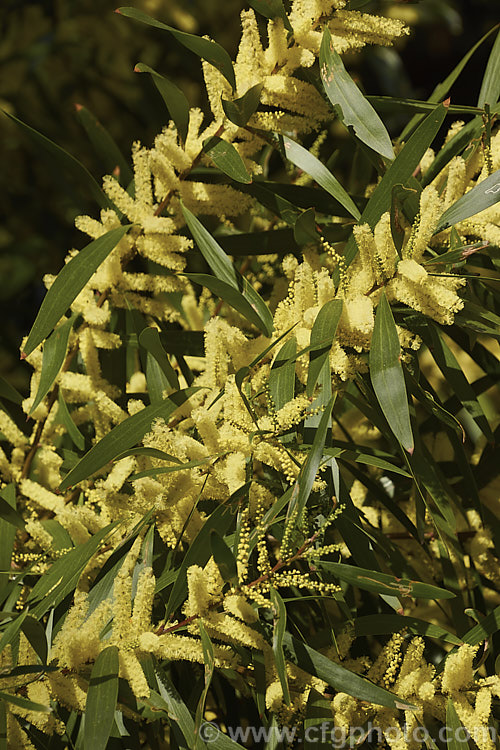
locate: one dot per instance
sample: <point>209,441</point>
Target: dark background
<point>56,54</point>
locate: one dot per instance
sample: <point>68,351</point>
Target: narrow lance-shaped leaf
<point>227,159</point>
<point>387,375</point>
<point>226,273</point>
<point>66,419</point>
<point>149,338</point>
<point>63,575</point>
<point>69,283</point>
<point>310,468</point>
<point>303,159</point>
<point>400,171</point>
<point>204,48</point>
<point>279,630</point>
<point>104,145</point>
<point>175,99</point>
<point>240,110</point>
<point>382,583</point>
<point>457,735</point>
<point>443,88</point>
<point>209,665</point>
<point>348,101</point>
<point>198,553</point>
<point>485,194</point>
<point>343,680</point>
<point>124,436</point>
<point>282,375</point>
<point>322,334</point>
<point>66,161</point>
<point>54,351</point>
<point>490,86</point>
<point>101,699</point>
<point>271,9</point>
<point>224,557</point>
<point>9,392</point>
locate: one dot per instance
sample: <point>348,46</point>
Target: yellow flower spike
<point>458,671</point>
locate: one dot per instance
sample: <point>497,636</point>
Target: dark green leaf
<point>25,704</point>
<point>170,469</point>
<point>490,86</point>
<point>63,575</point>
<point>104,145</point>
<point>204,48</point>
<point>9,392</point>
<point>282,375</point>
<point>240,110</point>
<point>305,229</point>
<point>175,99</point>
<point>35,633</point>
<point>7,536</point>
<point>226,273</point>
<point>349,103</point>
<point>66,162</point>
<point>209,664</point>
<point>279,630</point>
<point>271,9</point>
<point>322,335</point>
<point>382,583</point>
<point>8,511</point>
<point>224,558</point>
<point>149,338</point>
<point>400,172</point>
<point>387,375</point>
<point>382,624</point>
<point>311,465</point>
<point>124,436</point>
<point>153,452</point>
<point>101,699</point>
<point>450,367</point>
<point>456,734</point>
<point>227,159</point>
<point>343,680</point>
<point>303,159</point>
<point>199,553</point>
<point>12,630</point>
<point>443,88</point>
<point>65,417</point>
<point>485,194</point>
<point>69,283</point>
<point>246,302</point>
<point>457,255</point>
<point>54,352</point>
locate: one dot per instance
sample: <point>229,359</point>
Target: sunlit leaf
<point>227,159</point>
<point>101,699</point>
<point>303,159</point>
<point>124,436</point>
<point>387,375</point>
<point>352,108</point>
<point>240,110</point>
<point>175,99</point>
<point>483,195</point>
<point>204,48</point>
<point>69,283</point>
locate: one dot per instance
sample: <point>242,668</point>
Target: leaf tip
<point>411,449</point>
<point>136,67</point>
<point>23,355</point>
<point>446,102</point>
<point>78,106</point>
<point>118,11</point>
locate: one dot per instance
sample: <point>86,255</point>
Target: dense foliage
<point>258,486</point>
